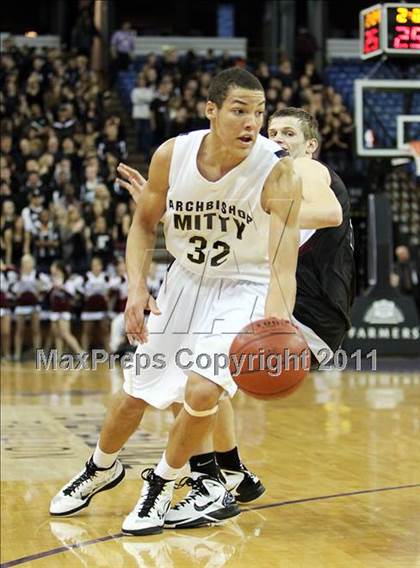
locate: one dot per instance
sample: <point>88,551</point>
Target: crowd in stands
<point>64,220</point>
<point>171,91</point>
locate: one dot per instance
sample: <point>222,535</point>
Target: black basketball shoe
<point>243,484</point>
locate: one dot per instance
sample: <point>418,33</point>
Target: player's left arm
<point>320,207</point>
<point>281,198</point>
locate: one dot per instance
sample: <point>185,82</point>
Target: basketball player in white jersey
<point>324,219</point>
<point>231,221</point>
<point>325,203</point>
<point>319,209</point>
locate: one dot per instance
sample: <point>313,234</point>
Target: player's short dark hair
<point>232,77</point>
<point>309,123</point>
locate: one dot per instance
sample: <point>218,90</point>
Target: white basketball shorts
<point>199,320</point>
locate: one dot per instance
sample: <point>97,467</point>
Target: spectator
<point>8,184</point>
<point>77,240</point>
<point>67,198</point>
<point>64,173</point>
<point>122,46</point>
<point>119,292</point>
<point>65,126</point>
<point>103,196</point>
<point>33,91</point>
<point>159,107</point>
<point>6,192</point>
<point>314,77</point>
<point>170,63</point>
<point>84,31</point>
<point>27,291</point>
<point>408,274</point>
<point>285,73</point>
<point>61,295</point>
<point>6,145</point>
<point>226,60</point>
<point>199,121</point>
<point>272,98</point>
<point>23,155</point>
<point>69,152</point>
<point>152,77</point>
<point>334,147</point>
<point>30,214</point>
<point>46,242</point>
<point>95,290</point>
<point>179,124</point>
<point>110,172</point>
<point>17,242</point>
<point>8,215</point>
<point>141,97</point>
<point>100,244</point>
<point>90,183</point>
<point>263,74</point>
<point>7,221</point>
<point>53,147</point>
<point>190,64</point>
<point>7,279</point>
<point>111,144</point>
<point>121,226</point>
<point>306,47</point>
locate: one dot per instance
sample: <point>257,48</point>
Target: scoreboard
<point>390,28</point>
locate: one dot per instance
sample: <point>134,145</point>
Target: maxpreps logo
<point>385,319</point>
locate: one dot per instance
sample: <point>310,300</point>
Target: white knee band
<point>200,413</point>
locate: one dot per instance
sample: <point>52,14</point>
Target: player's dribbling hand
<point>135,326</point>
<point>131,180</point>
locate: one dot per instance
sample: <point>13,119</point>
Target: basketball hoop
<point>414,148</point>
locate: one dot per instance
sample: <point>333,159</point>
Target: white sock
<point>166,471</point>
<point>185,471</point>
<point>103,460</point>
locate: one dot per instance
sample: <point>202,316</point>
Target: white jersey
<point>219,228</point>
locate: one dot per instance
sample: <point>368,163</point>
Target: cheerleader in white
<point>7,279</point>
<point>118,286</point>
<point>61,296</point>
<point>94,317</point>
<point>27,291</point>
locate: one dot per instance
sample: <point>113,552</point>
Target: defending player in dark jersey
<point>325,272</point>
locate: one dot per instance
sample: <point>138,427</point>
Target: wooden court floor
<point>340,459</point>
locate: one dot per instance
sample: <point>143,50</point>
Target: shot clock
<point>390,28</point>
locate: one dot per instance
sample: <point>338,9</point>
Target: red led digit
<point>403,37</point>
<point>371,40</point>
<point>415,37</point>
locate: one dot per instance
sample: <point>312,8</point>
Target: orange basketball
<point>269,358</point>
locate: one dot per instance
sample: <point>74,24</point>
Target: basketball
<point>269,358</point>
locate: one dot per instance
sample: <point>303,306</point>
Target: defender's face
<point>238,122</point>
<point>288,133</point>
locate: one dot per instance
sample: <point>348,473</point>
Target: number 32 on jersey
<point>198,256</point>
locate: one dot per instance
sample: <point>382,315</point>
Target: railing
<point>236,46</point>
<point>342,48</point>
<point>27,41</point>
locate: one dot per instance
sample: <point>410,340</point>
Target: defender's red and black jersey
<point>326,275</point>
